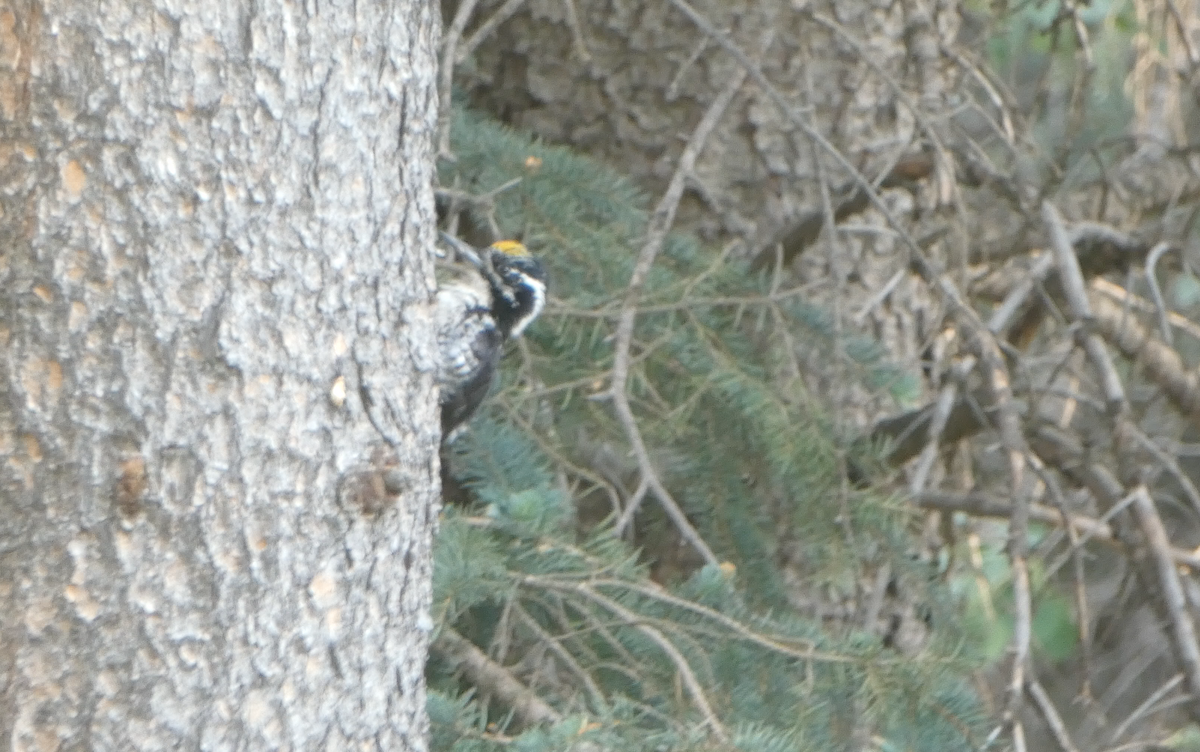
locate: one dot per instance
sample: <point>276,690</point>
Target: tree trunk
<point>218,426</point>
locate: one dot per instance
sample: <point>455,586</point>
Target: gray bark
<point>218,431</point>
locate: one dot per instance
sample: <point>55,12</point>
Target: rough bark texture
<point>217,424</point>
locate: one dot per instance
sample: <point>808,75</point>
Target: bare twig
<point>1160,303</point>
<point>485,29</point>
<point>877,299</point>
<point>1022,623</point>
<point>1051,716</point>
<point>486,202</point>
<point>1076,553</point>
<point>1141,710</point>
<point>660,224</point>
<point>1005,127</point>
<point>1076,294</point>
<point>1172,467</point>
<point>1183,631</point>
<point>554,646</point>
<point>1004,315</point>
<point>982,505</point>
<point>581,46</point>
<point>941,415</point>
<point>1185,35</point>
<point>672,92</point>
<point>445,84</point>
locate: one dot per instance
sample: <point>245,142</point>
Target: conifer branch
<point>554,646</point>
<point>699,698</point>
<point>493,678</point>
<point>661,221</point>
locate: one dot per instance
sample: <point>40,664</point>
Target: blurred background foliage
<point>839,614</point>
<point>748,452</point>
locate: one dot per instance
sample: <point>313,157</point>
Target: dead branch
<point>446,79</point>
<point>1090,528</point>
<point>1075,291</point>
<point>485,29</point>
<point>1065,453</point>
<point>1050,714</point>
<point>1183,630</point>
<point>660,224</point>
<point>1160,362</point>
<point>553,644</point>
<point>1140,304</point>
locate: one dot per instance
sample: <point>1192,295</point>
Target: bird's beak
<point>463,250</point>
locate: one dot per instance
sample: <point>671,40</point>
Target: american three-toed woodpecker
<point>502,293</point>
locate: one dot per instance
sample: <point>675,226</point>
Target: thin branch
<point>1076,293</point>
<point>1138,303</point>
<point>485,29</point>
<point>1160,362</point>
<point>1172,467</point>
<point>1143,709</point>
<point>1182,628</point>
<point>941,415</point>
<point>1051,716</point>
<point>1184,34</point>
<point>1004,315</point>
<point>660,224</point>
<point>1076,553</point>
<point>1160,303</point>
<point>554,646</point>
<point>877,299</point>
<point>581,46</point>
<point>446,82</point>
<point>1090,528</point>
<point>681,664</point>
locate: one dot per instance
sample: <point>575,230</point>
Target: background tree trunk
<point>625,82</point>
<point>954,159</point>
<point>217,420</point>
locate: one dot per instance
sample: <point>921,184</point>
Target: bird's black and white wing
<point>470,345</point>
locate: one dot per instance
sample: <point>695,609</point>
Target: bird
<point>501,294</point>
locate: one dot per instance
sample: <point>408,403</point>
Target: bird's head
<point>520,279</point>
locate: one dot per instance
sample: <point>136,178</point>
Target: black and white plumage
<point>499,297</point>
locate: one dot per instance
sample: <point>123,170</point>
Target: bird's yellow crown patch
<point>511,247</point>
